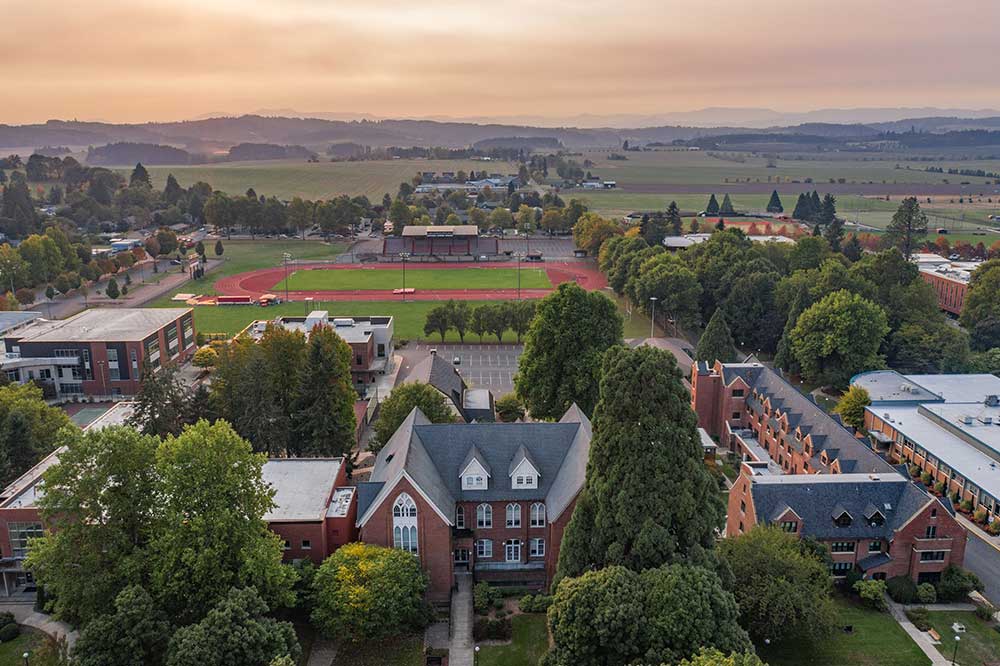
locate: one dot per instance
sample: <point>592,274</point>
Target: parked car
<point>457,360</point>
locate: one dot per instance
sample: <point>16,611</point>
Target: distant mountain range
<point>283,127</point>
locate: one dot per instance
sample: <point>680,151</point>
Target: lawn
<point>877,640</point>
<point>407,651</point>
<point>10,653</point>
<point>246,255</point>
<point>980,643</point>
<point>410,316</point>
<point>531,641</point>
<point>416,278</point>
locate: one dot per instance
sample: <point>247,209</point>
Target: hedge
<point>487,629</point>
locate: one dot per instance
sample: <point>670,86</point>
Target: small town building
<point>441,240</point>
<point>467,404</point>
<point>950,280</point>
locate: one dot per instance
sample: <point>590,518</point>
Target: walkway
<point>24,613</point>
<point>922,640</point>
<point>460,650</point>
<point>323,653</point>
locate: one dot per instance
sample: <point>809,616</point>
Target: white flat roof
<point>302,487</point>
<point>103,325</point>
<point>959,388</point>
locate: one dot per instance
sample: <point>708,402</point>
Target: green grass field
<point>11,651</point>
<point>980,643</point>
<point>877,640</point>
<point>416,278</point>
<point>529,644</point>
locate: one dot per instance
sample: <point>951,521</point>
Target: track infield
<point>382,279</point>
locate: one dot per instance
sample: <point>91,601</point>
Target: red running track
<point>260,282</point>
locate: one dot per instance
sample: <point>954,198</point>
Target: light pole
<point>285,258</point>
<point>25,657</point>
<point>954,653</point>
<point>652,315</point>
<point>519,257</point>
<point>475,656</point>
<point>305,305</point>
<point>404,256</point>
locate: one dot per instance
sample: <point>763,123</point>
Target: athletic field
<point>437,279</point>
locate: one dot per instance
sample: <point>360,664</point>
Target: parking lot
<point>482,366</point>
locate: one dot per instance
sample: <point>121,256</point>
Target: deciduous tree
<point>135,634</point>
<point>401,402</point>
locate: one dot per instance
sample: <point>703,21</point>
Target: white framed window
<point>537,515</point>
<point>519,481</point>
<point>404,524</point>
<point>460,517</point>
<point>484,516</point>
<point>512,550</point>
<point>286,545</point>
<point>537,548</point>
<point>307,544</point>
<point>513,515</point>
<point>484,548</point>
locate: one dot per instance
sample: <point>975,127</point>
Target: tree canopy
<point>907,228</point>
<point>716,343</point>
<point>394,409</point>
<point>851,406</point>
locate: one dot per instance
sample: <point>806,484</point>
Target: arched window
<point>513,515</point>
<point>484,516</point>
<point>460,517</point>
<point>538,515</point>
<point>404,524</point>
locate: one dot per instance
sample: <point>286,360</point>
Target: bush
<point>926,594</point>
<point>527,603</point>
<point>965,506</point>
<point>498,603</point>
<point>6,618</point>
<point>542,602</point>
<point>531,603</point>
<point>901,589</point>
<point>939,488</point>
<point>488,629</point>
<point>481,597</point>
<point>980,515</point>
<point>501,614</point>
<point>956,583</point>
<point>925,478</point>
<point>914,471</point>
<point>9,632</point>
<point>872,592</point>
<point>985,612</point>
<point>920,618</point>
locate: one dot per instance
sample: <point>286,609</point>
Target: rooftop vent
<point>874,477</point>
<point>993,401</point>
<point>986,419</point>
<point>343,321</point>
<point>965,419</point>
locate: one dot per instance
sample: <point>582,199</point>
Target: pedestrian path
<point>922,640</point>
<point>25,614</point>
<point>323,653</point>
<point>460,651</point>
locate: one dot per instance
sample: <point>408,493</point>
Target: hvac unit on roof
<point>966,419</point>
<point>993,401</point>
<point>986,419</point>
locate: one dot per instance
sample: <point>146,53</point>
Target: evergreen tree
<point>727,206</point>
<point>3,177</point>
<point>112,290</point>
<point>670,511</point>
<point>802,208</point>
<point>716,343</point>
<point>218,248</point>
<point>815,205</point>
<point>324,420</point>
<point>674,221</point>
<point>172,191</point>
<point>907,228</point>
<point>713,206</point>
<point>720,225</point>
<point>140,177</point>
<point>561,362</point>
<point>160,403</point>
<point>834,234</point>
<point>784,358</point>
<point>774,205</point>
<point>852,248</point>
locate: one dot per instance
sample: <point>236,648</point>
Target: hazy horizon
<point>141,61</point>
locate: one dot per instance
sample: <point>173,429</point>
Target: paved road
<point>983,560</point>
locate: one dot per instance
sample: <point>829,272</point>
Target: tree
<point>561,362</point>
<point>459,317</point>
<point>509,408</point>
<point>851,407</point>
<point>774,205</point>
<point>479,324</point>
<point>675,287</point>
<point>368,593</point>
<point>159,405</point>
<point>712,208</point>
<point>218,248</point>
<point>135,634</point>
<point>497,319</point>
<point>808,252</point>
<point>839,337</point>
<point>671,511</point>
<point>712,657</point>
<point>28,429</point>
<point>852,248</point>
<point>521,315</point>
<point>614,616</point>
<point>981,304</point>
<point>235,631</point>
<point>394,410</point>
<point>99,505</point>
<point>438,320</point>
<point>783,590</point>
<point>25,296</point>
<point>140,177</point>
<point>716,343</point>
<point>591,230</point>
<point>784,358</point>
<point>209,534</point>
<point>324,422</point>
<point>50,292</point>
<point>172,191</point>
<point>727,206</point>
<point>674,221</point>
<point>907,228</point>
<point>112,289</point>
<point>206,357</point>
<point>834,233</point>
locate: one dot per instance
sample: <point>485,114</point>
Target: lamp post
<point>519,256</point>
<point>954,653</point>
<point>285,258</point>
<point>404,256</point>
<point>652,315</point>
<point>305,305</point>
<point>25,657</point>
<point>475,656</point>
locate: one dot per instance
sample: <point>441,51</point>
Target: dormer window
<point>523,471</point>
<point>843,520</point>
<point>475,475</point>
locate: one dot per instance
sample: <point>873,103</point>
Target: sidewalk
<point>460,651</point>
<point>922,640</point>
<point>25,614</point>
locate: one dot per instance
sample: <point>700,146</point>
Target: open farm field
<point>416,278</point>
<point>322,180</point>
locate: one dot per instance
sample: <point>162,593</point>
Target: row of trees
<point>489,318</point>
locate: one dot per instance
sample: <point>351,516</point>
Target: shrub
<point>956,497</point>
<point>901,589</point>
<point>965,506</point>
<point>498,603</point>
<point>872,592</point>
<point>9,632</point>
<point>481,597</point>
<point>939,488</point>
<point>501,613</point>
<point>926,594</point>
<point>538,603</point>
<point>956,583</point>
<point>914,471</point>
<point>980,515</point>
<point>542,602</point>
<point>994,528</point>
<point>488,629</point>
<point>920,618</point>
<point>925,478</point>
<point>527,603</point>
<point>985,612</point>
<point>6,618</point>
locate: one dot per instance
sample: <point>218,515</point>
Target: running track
<point>260,282</point>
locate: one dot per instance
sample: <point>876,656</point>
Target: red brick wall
<point>433,539</point>
<point>553,541</point>
<point>950,293</point>
<point>29,515</point>
<point>910,539</point>
<point>735,516</point>
<point>294,533</point>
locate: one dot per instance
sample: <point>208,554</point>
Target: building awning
<point>880,437</point>
<point>874,562</point>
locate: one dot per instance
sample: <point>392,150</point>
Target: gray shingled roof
<point>442,375</point>
<point>817,500</point>
<point>474,454</point>
<point>367,492</point>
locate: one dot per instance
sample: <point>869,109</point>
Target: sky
<point>140,60</point>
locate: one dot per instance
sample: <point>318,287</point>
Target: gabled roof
<point>474,454</point>
<point>442,375</point>
<point>521,455</point>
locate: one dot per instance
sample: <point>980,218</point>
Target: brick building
<point>950,283</point>
<point>98,352</point>
<point>492,499</point>
<point>947,425</point>
<point>880,525</point>
<point>758,415</point>
<point>466,404</point>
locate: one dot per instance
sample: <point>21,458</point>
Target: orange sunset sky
<point>136,60</point>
